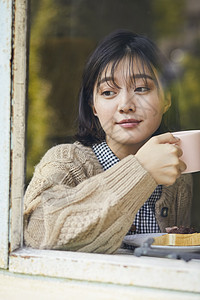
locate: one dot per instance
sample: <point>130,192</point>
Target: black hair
<point>110,52</point>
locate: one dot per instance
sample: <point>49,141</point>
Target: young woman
<point>123,172</point>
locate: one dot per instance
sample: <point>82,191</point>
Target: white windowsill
<point>159,273</point>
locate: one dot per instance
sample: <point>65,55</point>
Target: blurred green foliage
<point>189,93</point>
<point>169,17</point>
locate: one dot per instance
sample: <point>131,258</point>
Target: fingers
<point>161,156</point>
<point>174,174</point>
<point>176,150</point>
<point>166,138</point>
<point>182,166</point>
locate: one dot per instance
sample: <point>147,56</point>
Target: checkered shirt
<point>145,221</point>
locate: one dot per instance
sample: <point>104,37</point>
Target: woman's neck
<point>123,150</point>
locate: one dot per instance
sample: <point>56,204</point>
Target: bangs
<point>138,65</point>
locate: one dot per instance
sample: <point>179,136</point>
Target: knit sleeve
<point>64,211</point>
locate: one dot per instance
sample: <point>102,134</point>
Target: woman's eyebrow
<point>105,79</point>
<point>135,76</point>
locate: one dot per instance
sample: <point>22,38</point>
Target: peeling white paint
<point>146,272</point>
<point>18,123</point>
<point>5,91</point>
<point>26,287</point>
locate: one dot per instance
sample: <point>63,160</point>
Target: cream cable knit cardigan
<point>72,204</point>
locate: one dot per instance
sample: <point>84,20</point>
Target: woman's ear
<point>167,102</point>
<point>94,110</point>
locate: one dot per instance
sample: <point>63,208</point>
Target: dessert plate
<point>137,240</point>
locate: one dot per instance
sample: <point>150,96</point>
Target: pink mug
<point>190,145</point>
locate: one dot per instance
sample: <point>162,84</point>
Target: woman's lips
<point>129,123</point>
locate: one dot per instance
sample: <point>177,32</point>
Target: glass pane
<point>64,32</point>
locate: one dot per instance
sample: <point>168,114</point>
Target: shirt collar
<point>105,155</point>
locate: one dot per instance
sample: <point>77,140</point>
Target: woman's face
<point>130,112</point>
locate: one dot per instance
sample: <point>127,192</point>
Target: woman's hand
<point>160,157</point>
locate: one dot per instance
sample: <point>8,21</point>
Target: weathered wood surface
<point>5,90</point>
<point>146,272</point>
<point>23,287</point>
<point>18,122</point>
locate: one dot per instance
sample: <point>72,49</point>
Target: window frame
<point>5,113</point>
<point>18,120</point>
<point>118,269</point>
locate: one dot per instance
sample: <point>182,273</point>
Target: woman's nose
<point>126,103</point>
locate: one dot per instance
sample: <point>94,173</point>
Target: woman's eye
<point>142,89</point>
<point>108,93</point>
